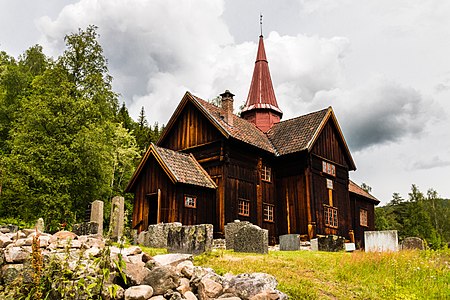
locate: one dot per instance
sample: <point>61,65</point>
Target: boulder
<point>246,286</point>
<point>139,292</point>
<point>162,279</point>
<point>209,289</point>
<point>5,240</point>
<point>136,273</point>
<point>172,259</point>
<point>190,296</point>
<point>16,255</point>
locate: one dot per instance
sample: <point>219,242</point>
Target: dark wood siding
<point>357,203</point>
<point>190,129</point>
<point>171,208</point>
<point>329,145</point>
<point>340,198</point>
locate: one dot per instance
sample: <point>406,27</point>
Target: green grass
<point>357,275</point>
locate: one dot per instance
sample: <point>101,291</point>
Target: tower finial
<point>260,22</point>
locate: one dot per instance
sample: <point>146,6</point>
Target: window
<point>244,208</point>
<point>330,216</point>
<point>363,217</point>
<point>268,213</point>
<point>265,173</point>
<point>190,201</point>
<point>329,184</point>
<point>328,168</point>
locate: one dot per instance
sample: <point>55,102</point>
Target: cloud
<point>434,162</point>
<point>379,112</point>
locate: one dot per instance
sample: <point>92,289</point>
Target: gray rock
<point>190,296</point>
<point>172,259</point>
<point>159,297</point>
<point>246,286</point>
<point>5,240</point>
<point>136,273</point>
<point>251,238</point>
<point>17,255</point>
<point>184,285</point>
<point>209,289</point>
<point>230,232</point>
<point>9,273</point>
<point>2,257</point>
<point>162,279</point>
<point>194,239</point>
<point>413,243</point>
<point>140,292</point>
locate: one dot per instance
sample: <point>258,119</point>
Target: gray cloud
<point>434,162</point>
<point>380,112</point>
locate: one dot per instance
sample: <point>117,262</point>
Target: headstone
<point>85,228</point>
<point>411,243</point>
<point>381,241</point>
<point>290,242</point>
<point>251,238</point>
<point>230,232</point>
<point>117,218</point>
<point>40,225</point>
<point>156,235</point>
<point>329,243</point>
<point>350,247</point>
<point>97,215</point>
<point>193,239</point>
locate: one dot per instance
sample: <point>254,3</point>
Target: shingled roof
<point>296,134</point>
<point>241,130</point>
<point>180,167</point>
<point>356,189</point>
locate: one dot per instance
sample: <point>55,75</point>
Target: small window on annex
<point>363,217</point>
<point>244,208</point>
<point>268,213</point>
<point>330,216</point>
<point>328,168</point>
<point>266,173</point>
<point>190,201</point>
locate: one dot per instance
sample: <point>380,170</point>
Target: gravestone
<point>230,232</point>
<point>290,242</point>
<point>156,235</point>
<point>251,238</point>
<point>381,241</point>
<point>40,226</point>
<point>86,228</point>
<point>117,218</point>
<point>193,239</point>
<point>97,215</point>
<point>412,243</point>
<point>350,247</point>
<point>329,243</point>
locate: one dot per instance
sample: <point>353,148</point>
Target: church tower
<point>261,107</point>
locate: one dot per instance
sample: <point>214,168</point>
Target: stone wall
<point>171,276</point>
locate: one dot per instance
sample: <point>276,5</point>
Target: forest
<point>65,141</point>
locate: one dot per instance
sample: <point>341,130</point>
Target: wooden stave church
<point>292,176</point>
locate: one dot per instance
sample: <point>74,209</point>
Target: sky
<point>382,65</point>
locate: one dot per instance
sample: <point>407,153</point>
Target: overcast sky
<point>382,65</point>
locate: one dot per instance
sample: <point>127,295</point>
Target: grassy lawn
<point>357,275</point>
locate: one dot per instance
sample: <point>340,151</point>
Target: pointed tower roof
<point>261,94</point>
<point>261,107</point>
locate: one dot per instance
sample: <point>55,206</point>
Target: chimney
<point>227,106</point>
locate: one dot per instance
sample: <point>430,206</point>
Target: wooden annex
<point>292,176</point>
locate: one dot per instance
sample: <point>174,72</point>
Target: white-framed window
<point>330,215</point>
<point>244,207</point>
<point>266,173</point>
<point>329,184</point>
<point>190,201</point>
<point>363,217</point>
<point>268,213</point>
<point>328,168</point>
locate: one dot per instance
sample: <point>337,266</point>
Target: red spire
<point>261,107</point>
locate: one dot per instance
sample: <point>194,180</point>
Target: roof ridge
<point>301,116</point>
